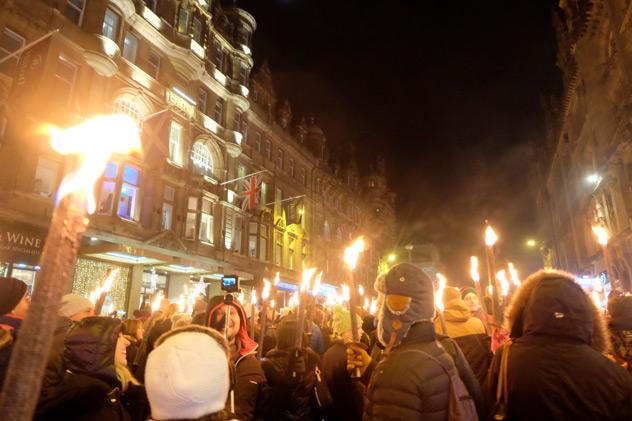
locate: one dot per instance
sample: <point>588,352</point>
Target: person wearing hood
<point>472,300</point>
<point>620,327</point>
<point>416,379</point>
<point>555,363</point>
<point>97,384</point>
<point>73,309</point>
<point>14,303</point>
<point>467,332</point>
<point>248,379</point>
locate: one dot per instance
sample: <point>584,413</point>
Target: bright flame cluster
<point>443,281</point>
<point>352,253</point>
<point>501,275</point>
<point>490,236</point>
<point>155,304</point>
<point>186,301</point>
<point>513,274</point>
<point>602,234</point>
<point>474,269</point>
<point>107,284</point>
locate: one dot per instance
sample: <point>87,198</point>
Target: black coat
<point>299,402</point>
<point>556,370</point>
<point>409,386</point>
<point>6,346</point>
<point>55,367</point>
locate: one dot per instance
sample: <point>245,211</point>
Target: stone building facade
<point>583,170</point>
<point>173,213</point>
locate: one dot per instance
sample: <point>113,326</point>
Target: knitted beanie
<point>11,293</point>
<point>72,304</point>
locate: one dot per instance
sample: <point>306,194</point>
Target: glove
<point>358,360</point>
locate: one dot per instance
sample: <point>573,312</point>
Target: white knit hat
<point>186,376</point>
<point>72,304</point>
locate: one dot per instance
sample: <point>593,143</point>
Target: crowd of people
<point>556,357</point>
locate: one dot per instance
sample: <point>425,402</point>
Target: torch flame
<point>265,293</point>
<point>366,303</point>
<point>504,283</point>
<point>308,274</point>
<point>94,140</point>
<point>474,269</point>
<point>513,274</point>
<point>602,234</point>
<point>443,281</point>
<point>490,236</point>
<point>346,293</point>
<point>107,284</point>
<point>316,287</point>
<point>373,307</point>
<point>272,303</point>
<point>155,305</point>
<point>277,278</point>
<point>361,290</point>
<point>353,252</point>
<point>182,303</point>
<point>253,297</point>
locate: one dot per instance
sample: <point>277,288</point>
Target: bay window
<point>183,20</point>
<point>108,189</point>
<point>110,24</point>
<point>129,201</point>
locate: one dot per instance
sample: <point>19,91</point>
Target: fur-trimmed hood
<point>550,302</point>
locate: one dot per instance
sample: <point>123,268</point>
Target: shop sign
<point>21,244</point>
<point>180,103</point>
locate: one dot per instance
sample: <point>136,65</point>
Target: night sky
<point>447,91</point>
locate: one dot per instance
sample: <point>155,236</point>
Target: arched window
<point>125,106</point>
<point>202,159</point>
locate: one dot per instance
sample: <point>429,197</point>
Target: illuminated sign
<point>180,103</point>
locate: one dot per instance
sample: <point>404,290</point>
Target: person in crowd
<point>14,303</point>
<point>180,320</point>
<point>73,308</point>
<point>334,364</point>
<point>555,363</point>
<point>290,374</point>
<point>97,384</point>
<point>133,332</point>
<point>471,298</point>
<point>249,379</point>
<point>269,340</point>
<point>320,317</point>
<point>188,375</point>
<point>416,379</point>
<point>316,339</point>
<point>468,332</point>
<point>620,327</point>
<point>161,325</point>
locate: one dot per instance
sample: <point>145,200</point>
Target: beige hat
<point>72,304</point>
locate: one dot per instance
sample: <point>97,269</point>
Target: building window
<point>218,115</point>
<point>191,222</point>
<point>279,158</point>
<point>243,74</point>
<point>268,150</point>
<point>154,64</point>
<point>183,20</point>
<point>108,189</point>
<point>202,159</point>
<point>238,230</point>
<point>175,143</point>
<point>110,24</point>
<point>201,100</point>
<point>264,192</point>
<point>290,166</point>
<point>218,57</point>
<point>290,253</point>
<point>228,228</point>
<point>65,75</point>
<point>237,121</point>
<point>258,142</point>
<point>253,228</point>
<point>263,242</point>
<point>130,47</point>
<point>196,30</point>
<point>278,248</point>
<point>303,177</point>
<point>45,179</point>
<point>168,197</point>
<point>206,221</point>
<point>74,10</point>
<point>124,106</point>
<point>10,42</point>
<point>129,203</point>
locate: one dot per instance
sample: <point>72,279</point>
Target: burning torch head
<point>408,298</point>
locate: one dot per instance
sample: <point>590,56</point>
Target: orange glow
<point>346,295</point>
<point>504,283</point>
<point>155,305</point>
<point>443,281</point>
<point>602,234</point>
<point>253,297</point>
<point>277,278</point>
<point>360,290</point>
<point>474,269</point>
<point>308,274</point>
<point>107,284</point>
<point>94,140</point>
<point>352,253</point>
<point>272,303</point>
<point>490,236</point>
<point>265,293</point>
<point>316,287</point>
<point>513,274</point>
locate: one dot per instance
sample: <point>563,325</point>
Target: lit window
<point>168,194</point>
<point>290,166</point>
<point>202,159</point>
<point>228,229</point>
<point>218,57</point>
<point>65,74</point>
<point>127,107</point>
<point>206,222</point>
<point>201,100</point>
<point>74,10</point>
<point>108,189</point>
<point>153,64</point>
<point>258,142</point>
<point>45,179</point>
<point>129,204</point>
<point>253,228</point>
<point>175,143</point>
<point>110,24</point>
<point>9,43</point>
<point>263,243</point>
<point>218,115</point>
<point>268,150</point>
<point>130,47</point>
<point>279,160</point>
<point>196,30</point>
<point>278,248</point>
<point>191,222</point>
<point>183,20</point>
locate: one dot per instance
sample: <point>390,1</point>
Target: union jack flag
<point>250,193</point>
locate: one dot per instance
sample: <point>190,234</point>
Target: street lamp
<point>392,257</point>
<point>593,178</point>
<point>531,243</point>
<point>603,236</point>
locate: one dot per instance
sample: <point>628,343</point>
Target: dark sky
<point>447,91</point>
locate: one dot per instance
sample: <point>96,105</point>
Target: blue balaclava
<point>406,296</point>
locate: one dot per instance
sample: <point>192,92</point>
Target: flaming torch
<point>513,274</point>
<point>100,293</point>
<point>442,282</point>
<point>490,240</point>
<point>308,274</point>
<point>603,236</point>
<point>94,140</point>
<point>253,303</point>
<point>352,253</point>
<point>265,295</point>
<point>476,277</point>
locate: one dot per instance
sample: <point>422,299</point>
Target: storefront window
<point>45,179</point>
<point>25,274</point>
<point>169,194</point>
<point>108,189</point>
<point>129,205</point>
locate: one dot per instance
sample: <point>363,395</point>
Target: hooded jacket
<point>620,327</point>
<point>249,379</point>
<point>556,367</point>
<point>55,367</point>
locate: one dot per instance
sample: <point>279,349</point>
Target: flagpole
<point>27,46</point>
<point>285,200</point>
<point>242,178</point>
